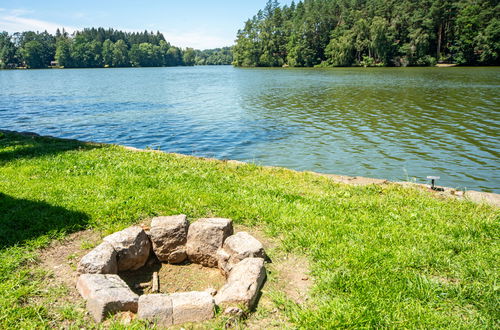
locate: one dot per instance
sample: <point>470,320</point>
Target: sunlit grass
<point>381,256</point>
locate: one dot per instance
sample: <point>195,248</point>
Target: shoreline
<point>439,65</point>
<point>492,199</point>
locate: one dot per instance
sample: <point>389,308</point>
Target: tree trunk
<point>440,32</point>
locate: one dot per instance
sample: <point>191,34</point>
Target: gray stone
<point>205,237</point>
<point>156,308</point>
<point>223,260</point>
<point>192,306</point>
<point>234,311</point>
<point>101,260</point>
<point>177,256</point>
<point>238,247</point>
<point>168,235</point>
<point>243,284</point>
<point>106,294</point>
<point>132,246</point>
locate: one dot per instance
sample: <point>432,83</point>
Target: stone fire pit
<point>209,242</point>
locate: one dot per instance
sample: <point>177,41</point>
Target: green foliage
<point>7,51</point>
<point>32,52</point>
<point>36,50</point>
<point>189,57</point>
<point>217,56</point>
<point>94,48</point>
<point>120,54</point>
<point>63,52</point>
<point>246,51</point>
<point>371,33</point>
<point>381,256</point>
<point>107,52</point>
<point>145,54</point>
<point>340,50</point>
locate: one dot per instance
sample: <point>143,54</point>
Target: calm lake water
<point>388,123</point>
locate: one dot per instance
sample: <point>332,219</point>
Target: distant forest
<point>99,47</point>
<point>371,33</point>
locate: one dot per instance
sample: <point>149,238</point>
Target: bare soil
<point>174,278</point>
<point>61,258</point>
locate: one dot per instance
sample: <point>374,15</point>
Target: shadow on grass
<point>15,145</point>
<point>21,220</point>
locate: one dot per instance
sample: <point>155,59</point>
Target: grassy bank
<point>381,256</point>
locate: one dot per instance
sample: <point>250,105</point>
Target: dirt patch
<point>292,271</point>
<point>287,274</point>
<point>174,278</point>
<point>295,280</point>
<point>445,280</point>
<point>352,180</point>
<point>445,65</point>
<point>61,257</point>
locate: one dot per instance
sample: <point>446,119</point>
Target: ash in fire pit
<point>148,272</point>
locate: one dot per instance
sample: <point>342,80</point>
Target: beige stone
<point>483,197</point>
<point>132,246</point>
<point>169,235</point>
<point>101,260</point>
<point>223,260</point>
<point>243,284</point>
<point>234,311</point>
<point>177,256</point>
<point>106,294</point>
<point>238,247</point>
<point>194,306</point>
<point>205,237</point>
<point>156,308</point>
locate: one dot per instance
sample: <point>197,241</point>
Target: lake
<point>391,123</point>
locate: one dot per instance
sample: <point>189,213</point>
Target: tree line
<point>371,33</point>
<point>99,47</point>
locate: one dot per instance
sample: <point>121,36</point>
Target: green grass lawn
<point>381,256</point>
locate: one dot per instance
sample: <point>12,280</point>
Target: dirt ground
<point>287,273</point>
<point>194,278</point>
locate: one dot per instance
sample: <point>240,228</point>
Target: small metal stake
<point>432,178</point>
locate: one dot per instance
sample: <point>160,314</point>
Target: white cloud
<point>196,39</point>
<point>20,11</point>
<point>191,39</point>
<point>16,20</point>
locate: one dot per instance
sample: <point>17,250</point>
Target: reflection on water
<point>386,123</point>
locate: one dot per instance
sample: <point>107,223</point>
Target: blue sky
<point>185,23</point>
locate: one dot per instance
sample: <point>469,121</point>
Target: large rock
<point>192,306</point>
<point>132,246</point>
<point>238,247</point>
<point>205,237</point>
<point>177,256</point>
<point>106,294</point>
<point>101,260</point>
<point>169,235</point>
<point>243,284</point>
<point>156,308</point>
